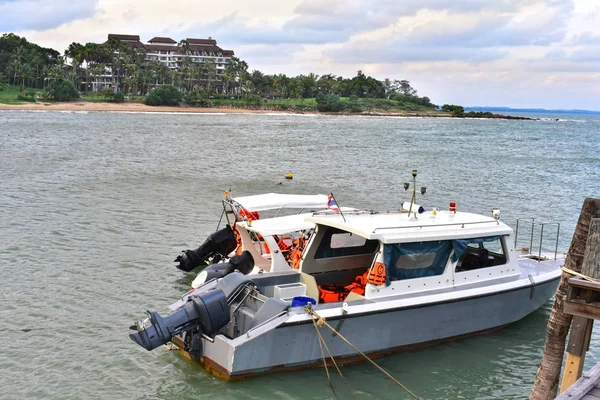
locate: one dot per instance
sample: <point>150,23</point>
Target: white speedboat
<point>387,281</point>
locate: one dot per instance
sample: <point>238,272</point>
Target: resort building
<point>173,54</point>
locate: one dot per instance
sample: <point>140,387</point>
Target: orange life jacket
<point>295,256</point>
<point>238,239</point>
<point>250,215</point>
<point>377,275</point>
<point>332,293</point>
<point>282,245</point>
<point>359,284</point>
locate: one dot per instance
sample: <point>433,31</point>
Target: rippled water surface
<point>94,208</point>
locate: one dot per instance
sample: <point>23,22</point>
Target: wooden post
<point>579,342</point>
<point>581,327</point>
<point>548,375</point>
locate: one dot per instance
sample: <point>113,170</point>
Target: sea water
<point>94,208</point>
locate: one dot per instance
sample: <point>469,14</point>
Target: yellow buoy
<point>279,183</point>
<point>289,176</point>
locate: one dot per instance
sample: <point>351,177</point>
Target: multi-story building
<point>172,54</point>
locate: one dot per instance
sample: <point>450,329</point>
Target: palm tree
<point>129,83</point>
<point>144,78</point>
<point>163,72</point>
<point>76,52</point>
<point>183,47</point>
<point>17,60</point>
<point>98,70</point>
<point>89,55</point>
<point>119,60</point>
<point>210,73</point>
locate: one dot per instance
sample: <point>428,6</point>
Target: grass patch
<point>10,94</point>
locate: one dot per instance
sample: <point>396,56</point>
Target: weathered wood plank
<point>579,339</point>
<point>585,310</point>
<point>594,392</point>
<point>584,284</point>
<point>583,386</point>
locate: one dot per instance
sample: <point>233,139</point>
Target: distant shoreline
<point>139,107</point>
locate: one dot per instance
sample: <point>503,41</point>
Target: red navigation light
<point>452,207</point>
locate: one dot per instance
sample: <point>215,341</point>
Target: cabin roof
<point>396,227</point>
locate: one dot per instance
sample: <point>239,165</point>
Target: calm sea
<point>94,207</point>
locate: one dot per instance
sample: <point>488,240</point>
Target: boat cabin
<point>368,255</point>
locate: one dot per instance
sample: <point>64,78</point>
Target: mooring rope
<point>587,278</point>
<point>322,343</point>
<point>322,322</point>
<point>325,362</point>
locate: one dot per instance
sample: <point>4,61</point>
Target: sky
<point>515,53</point>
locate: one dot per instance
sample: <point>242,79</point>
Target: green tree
<point>457,111</point>
<point>165,95</point>
<point>329,103</point>
<point>63,90</point>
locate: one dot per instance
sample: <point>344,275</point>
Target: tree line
<point>121,69</point>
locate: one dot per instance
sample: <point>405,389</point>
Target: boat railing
<point>461,224</point>
<point>537,225</point>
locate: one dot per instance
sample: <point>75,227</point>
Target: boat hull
<point>296,346</point>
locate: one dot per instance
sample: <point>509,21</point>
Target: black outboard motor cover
<point>243,263</point>
<point>213,310</point>
<point>207,312</point>
<point>222,242</point>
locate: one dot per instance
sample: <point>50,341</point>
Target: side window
<point>339,240</point>
<point>337,243</point>
<point>480,253</point>
<point>416,260</point>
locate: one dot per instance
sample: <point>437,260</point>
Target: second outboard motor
<point>207,312</point>
<point>222,242</point>
<point>243,263</point>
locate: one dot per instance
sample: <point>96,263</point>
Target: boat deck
<point>586,388</point>
<point>534,267</point>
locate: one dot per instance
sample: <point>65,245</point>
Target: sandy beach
<point>123,107</point>
<point>139,107</point>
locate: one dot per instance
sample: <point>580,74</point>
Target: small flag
<point>331,203</point>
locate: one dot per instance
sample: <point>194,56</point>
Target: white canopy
<point>275,201</point>
<point>286,224</point>
<point>279,225</point>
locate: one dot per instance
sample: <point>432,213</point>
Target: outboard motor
<point>243,263</point>
<point>207,313</point>
<point>220,243</point>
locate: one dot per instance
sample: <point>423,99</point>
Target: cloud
<point>321,21</point>
<point>476,37</point>
<point>19,15</point>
